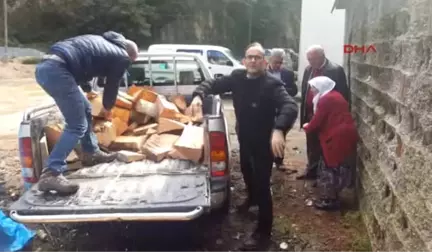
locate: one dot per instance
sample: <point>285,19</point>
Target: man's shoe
<point>52,182</point>
<point>245,206</point>
<point>99,157</point>
<point>279,167</point>
<point>327,204</point>
<point>257,241</point>
<point>307,176</point>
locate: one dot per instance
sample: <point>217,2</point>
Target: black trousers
<point>277,160</point>
<point>256,162</point>
<point>313,149</point>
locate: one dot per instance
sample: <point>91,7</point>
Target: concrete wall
<point>20,52</point>
<point>392,103</point>
<point>320,26</point>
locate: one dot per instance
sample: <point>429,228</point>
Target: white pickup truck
<point>171,190</point>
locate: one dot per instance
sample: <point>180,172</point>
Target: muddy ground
<point>297,224</point>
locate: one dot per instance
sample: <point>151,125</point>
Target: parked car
<point>220,60</point>
<point>171,190</point>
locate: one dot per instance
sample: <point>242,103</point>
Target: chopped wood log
<point>140,118</point>
<point>122,102</point>
<point>97,106</point>
<point>130,143</point>
<point>123,114</point>
<point>167,125</point>
<point>119,125</point>
<point>142,130</point>
<point>149,95</point>
<point>166,109</point>
<point>147,108</point>
<point>179,101</point>
<point>125,96</point>
<point>190,145</point>
<point>129,156</point>
<point>132,126</point>
<point>53,133</point>
<point>157,147</point>
<point>197,117</point>
<point>105,132</point>
<point>151,132</point>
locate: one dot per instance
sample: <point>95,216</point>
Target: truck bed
<point>143,186</point>
<point>171,190</point>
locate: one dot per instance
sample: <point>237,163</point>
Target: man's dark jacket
<point>255,102</point>
<point>334,72</point>
<point>288,79</point>
<point>89,56</point>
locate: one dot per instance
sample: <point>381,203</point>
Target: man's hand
<point>305,125</point>
<point>196,102</point>
<point>195,109</point>
<point>278,143</point>
<point>92,94</point>
<point>107,114</point>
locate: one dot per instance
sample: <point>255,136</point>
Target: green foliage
<point>31,60</point>
<point>223,22</point>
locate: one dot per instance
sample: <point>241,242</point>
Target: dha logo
<point>349,49</point>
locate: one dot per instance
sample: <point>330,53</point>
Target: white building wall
<point>320,26</point>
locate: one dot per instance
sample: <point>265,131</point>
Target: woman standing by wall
<point>338,137</point>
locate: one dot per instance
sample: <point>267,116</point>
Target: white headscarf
<point>324,85</point>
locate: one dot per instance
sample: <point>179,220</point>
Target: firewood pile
<point>147,125</point>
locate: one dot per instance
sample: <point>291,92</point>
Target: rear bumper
<point>104,217</point>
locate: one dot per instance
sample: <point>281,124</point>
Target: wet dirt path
<point>18,91</point>
<point>299,226</point>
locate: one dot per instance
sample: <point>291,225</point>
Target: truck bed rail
<point>103,217</point>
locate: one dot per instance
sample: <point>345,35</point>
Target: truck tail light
<point>218,154</point>
<point>26,156</point>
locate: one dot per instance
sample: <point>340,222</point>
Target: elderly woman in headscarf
<point>338,137</point>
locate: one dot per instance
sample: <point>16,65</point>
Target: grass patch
<point>361,243</point>
<point>353,220</point>
<point>282,224</point>
<point>31,60</point>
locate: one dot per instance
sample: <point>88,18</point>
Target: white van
<point>220,60</point>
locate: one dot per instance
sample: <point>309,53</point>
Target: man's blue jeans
<point>60,84</point>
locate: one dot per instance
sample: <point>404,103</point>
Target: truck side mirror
<point>218,76</point>
<point>230,63</point>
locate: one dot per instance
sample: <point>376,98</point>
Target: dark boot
<point>278,164</point>
<point>99,157</point>
<point>56,182</point>
<point>245,206</point>
<point>306,176</point>
<point>257,241</point>
<point>310,174</point>
<point>327,204</point>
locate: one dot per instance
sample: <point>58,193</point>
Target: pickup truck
<point>171,190</point>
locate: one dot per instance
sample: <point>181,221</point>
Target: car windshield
<point>163,72</point>
<point>229,53</point>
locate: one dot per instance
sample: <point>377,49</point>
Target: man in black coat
<point>256,97</point>
<point>277,69</point>
<point>69,64</point>
<point>319,65</point>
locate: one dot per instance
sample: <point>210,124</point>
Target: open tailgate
<point>172,190</point>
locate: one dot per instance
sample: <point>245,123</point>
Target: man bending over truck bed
<point>70,63</point>
<point>256,97</point>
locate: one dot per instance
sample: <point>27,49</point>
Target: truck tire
<point>225,209</point>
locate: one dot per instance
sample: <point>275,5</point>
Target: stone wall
<point>392,104</point>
